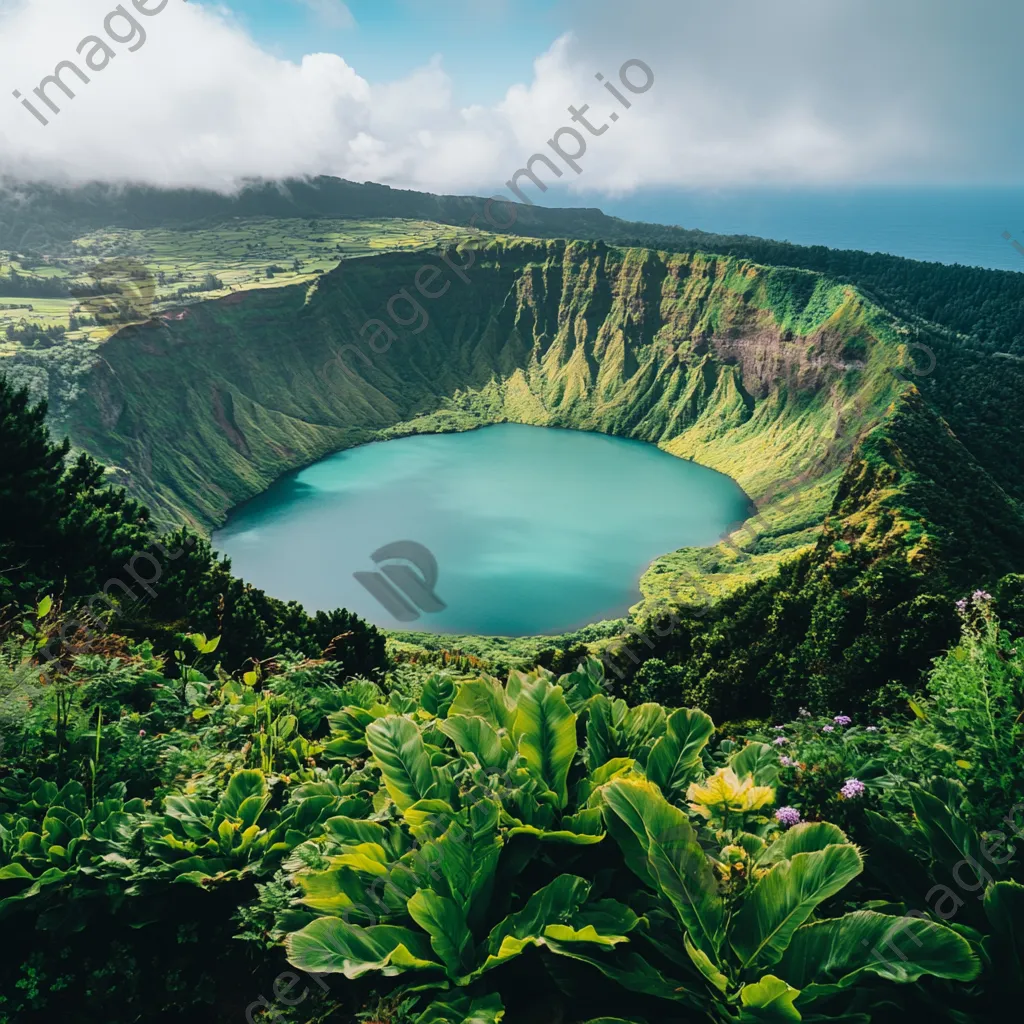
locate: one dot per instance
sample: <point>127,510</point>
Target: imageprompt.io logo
<point>406,581</point>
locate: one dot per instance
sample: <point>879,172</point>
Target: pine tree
<point>61,530</point>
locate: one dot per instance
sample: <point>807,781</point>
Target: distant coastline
<point>945,225</point>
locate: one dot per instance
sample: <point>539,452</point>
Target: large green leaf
<point>582,829</point>
<point>626,824</point>
<point>953,840</point>
<point>467,854</point>
<point>336,891</point>
<point>631,971</point>
<point>545,734</point>
<point>557,917</point>
<point>609,917</point>
<point>427,819</point>
<point>555,903</point>
<point>674,761</point>
<point>703,963</point>
<point>560,835</point>
<point>329,945</point>
<point>486,699</point>
<point>398,748</point>
<point>602,734</point>
<point>355,830</point>
<point>464,1010</point>
<point>445,922</point>
<point>587,934</point>
<point>367,858</point>
<point>474,735</point>
<point>760,760</point>
<point>641,727</point>
<point>676,863</point>
<point>437,694</point>
<point>584,684</point>
<point>768,999</point>
<point>348,730</point>
<point>807,837</point>
<point>785,898</point>
<point>242,786</point>
<point>587,789</point>
<point>1004,908</point>
<point>826,956</point>
<point>14,871</point>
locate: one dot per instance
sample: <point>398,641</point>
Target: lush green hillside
<point>975,317</point>
<point>915,520</point>
<point>786,378</point>
<point>779,377</point>
<point>87,287</point>
<point>748,370</point>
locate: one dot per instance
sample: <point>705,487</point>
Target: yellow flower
<point>723,793</point>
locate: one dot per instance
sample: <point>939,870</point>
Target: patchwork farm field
<point>42,296</point>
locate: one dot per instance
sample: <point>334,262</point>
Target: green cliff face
<point>767,374</point>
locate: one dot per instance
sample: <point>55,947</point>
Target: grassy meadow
<point>241,255</point>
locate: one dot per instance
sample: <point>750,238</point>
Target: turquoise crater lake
<point>534,530</point>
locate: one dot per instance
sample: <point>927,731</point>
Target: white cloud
<point>794,92</point>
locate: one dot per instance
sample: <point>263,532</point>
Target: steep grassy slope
<point>915,521</point>
<point>975,317</point>
<point>746,369</point>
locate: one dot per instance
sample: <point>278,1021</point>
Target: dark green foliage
<point>544,846</point>
<point>922,521</point>
<point>61,528</point>
<point>64,533</point>
<point>657,682</point>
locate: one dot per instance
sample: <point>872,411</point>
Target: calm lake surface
<point>534,530</point>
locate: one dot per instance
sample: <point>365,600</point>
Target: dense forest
<point>215,807</point>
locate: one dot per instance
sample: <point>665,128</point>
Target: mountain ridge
<point>970,314</point>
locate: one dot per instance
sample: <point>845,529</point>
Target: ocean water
<point>944,225</point>
<point>533,530</point>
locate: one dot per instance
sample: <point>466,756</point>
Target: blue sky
<point>486,45</point>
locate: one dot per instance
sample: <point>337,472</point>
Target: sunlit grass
<point>237,253</point>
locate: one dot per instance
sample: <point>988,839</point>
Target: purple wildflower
<point>961,605</point>
<point>787,816</point>
<point>779,740</point>
<point>828,728</point>
<point>787,762</point>
<point>852,789</point>
<point>804,713</point>
<point>843,720</point>
<point>980,596</point>
<point>142,732</point>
